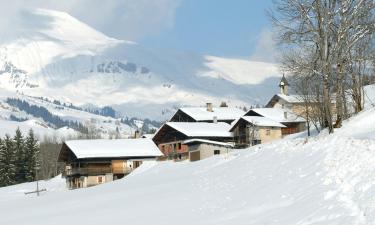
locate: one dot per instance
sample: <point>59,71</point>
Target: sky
<point>229,28</point>
<point>218,27</point>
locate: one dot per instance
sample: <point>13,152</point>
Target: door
<point>195,156</point>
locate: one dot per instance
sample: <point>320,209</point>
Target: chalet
<point>92,162</point>
<point>194,141</point>
<point>207,114</point>
<point>253,130</point>
<point>293,123</point>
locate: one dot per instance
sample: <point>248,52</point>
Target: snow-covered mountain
<point>57,56</point>
<point>327,179</point>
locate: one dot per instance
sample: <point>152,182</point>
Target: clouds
<point>265,48</point>
<point>122,19</point>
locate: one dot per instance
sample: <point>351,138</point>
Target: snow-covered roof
<point>262,121</point>
<point>208,142</point>
<point>291,98</point>
<point>258,121</point>
<point>114,148</point>
<point>221,113</point>
<point>278,115</point>
<point>201,129</point>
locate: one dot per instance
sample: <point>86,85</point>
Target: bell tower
<point>283,86</point>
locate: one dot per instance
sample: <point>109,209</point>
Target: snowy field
<point>321,180</point>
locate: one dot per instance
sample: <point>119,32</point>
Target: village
<point>192,133</point>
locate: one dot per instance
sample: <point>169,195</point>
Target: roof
<point>287,98</point>
<point>278,115</point>
<point>114,148</point>
<point>201,129</point>
<point>189,141</point>
<point>221,113</point>
<point>258,121</point>
<point>291,98</point>
<point>262,121</point>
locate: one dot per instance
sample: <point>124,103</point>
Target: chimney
<point>209,107</point>
<point>215,119</point>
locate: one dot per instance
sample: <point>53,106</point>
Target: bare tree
<point>327,32</point>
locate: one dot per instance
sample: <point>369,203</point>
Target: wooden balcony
<point>94,171</point>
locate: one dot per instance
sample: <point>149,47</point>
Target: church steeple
<point>283,86</point>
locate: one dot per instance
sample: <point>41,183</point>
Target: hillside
<point>59,57</point>
<point>327,179</point>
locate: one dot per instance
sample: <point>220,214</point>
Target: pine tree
<point>7,163</point>
<point>20,157</point>
<point>32,153</point>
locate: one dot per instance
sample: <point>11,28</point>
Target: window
<point>100,180</point>
<point>268,132</point>
<point>178,146</point>
<point>136,164</point>
<point>256,142</point>
<point>216,152</point>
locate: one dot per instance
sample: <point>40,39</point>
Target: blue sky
<point>217,27</point>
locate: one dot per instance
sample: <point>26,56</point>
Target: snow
<point>105,126</point>
<point>14,192</point>
<point>60,57</point>
<point>278,115</point>
<point>234,70</point>
<point>201,129</point>
<point>360,126</point>
<point>369,98</point>
<point>105,148</point>
<point>207,141</point>
<point>221,113</point>
<point>40,129</point>
<point>291,98</point>
<point>262,121</point>
<point>327,179</point>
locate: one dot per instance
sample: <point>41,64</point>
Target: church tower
<point>283,86</point>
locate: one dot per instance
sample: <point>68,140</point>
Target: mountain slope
<point>58,56</point>
<point>326,179</point>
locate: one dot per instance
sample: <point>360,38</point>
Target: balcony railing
<point>95,171</point>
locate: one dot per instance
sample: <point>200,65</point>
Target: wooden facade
<point>247,134</point>
<point>181,116</point>
<point>87,172</point>
<point>171,143</point>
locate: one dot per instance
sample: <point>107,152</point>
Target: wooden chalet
<point>207,114</point>
<point>174,139</point>
<point>92,162</point>
<point>293,123</point>
<point>253,130</point>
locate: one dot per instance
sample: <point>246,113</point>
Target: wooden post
<point>37,185</point>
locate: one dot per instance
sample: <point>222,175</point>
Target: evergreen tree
<point>32,153</point>
<point>20,157</point>
<point>7,163</point>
